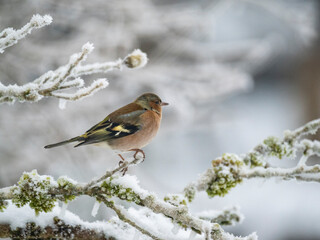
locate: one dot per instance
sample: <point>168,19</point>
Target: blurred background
<point>234,73</point>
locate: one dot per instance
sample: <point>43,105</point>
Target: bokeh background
<point>234,73</point>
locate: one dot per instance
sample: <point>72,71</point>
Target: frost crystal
<point>62,103</point>
<point>55,82</point>
<point>10,36</point>
<point>95,209</point>
<point>63,210</point>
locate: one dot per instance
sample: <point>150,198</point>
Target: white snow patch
<point>63,210</point>
<point>175,229</point>
<point>62,103</point>
<point>95,209</point>
<point>40,21</point>
<point>192,235</point>
<point>18,217</point>
<point>130,181</point>
<point>158,224</point>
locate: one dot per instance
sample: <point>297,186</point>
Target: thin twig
<point>122,216</point>
<point>108,174</point>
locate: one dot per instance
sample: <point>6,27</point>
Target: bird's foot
<point>138,156</point>
<point>121,162</point>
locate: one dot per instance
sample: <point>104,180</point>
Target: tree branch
<point>121,213</point>
<point>10,37</point>
<point>230,169</point>
<point>41,192</point>
<point>60,230</point>
<point>53,83</point>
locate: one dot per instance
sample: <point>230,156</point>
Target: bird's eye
<point>158,102</point>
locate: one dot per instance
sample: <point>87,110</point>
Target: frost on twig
<point>147,210</point>
<point>10,37</point>
<point>55,83</point>
<point>231,169</point>
<point>41,193</point>
<point>228,216</point>
<point>20,223</point>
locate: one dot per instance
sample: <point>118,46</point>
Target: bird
<point>128,128</point>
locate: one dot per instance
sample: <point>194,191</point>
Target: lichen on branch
<point>231,169</point>
<point>42,193</point>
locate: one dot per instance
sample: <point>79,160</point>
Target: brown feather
<point>150,123</point>
<point>132,126</point>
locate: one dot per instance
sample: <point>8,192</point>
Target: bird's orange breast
<point>150,123</point>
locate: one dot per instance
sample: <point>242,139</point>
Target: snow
<point>175,229</point>
<point>159,225</point>
<point>60,78</point>
<point>131,181</point>
<point>77,82</point>
<point>63,210</point>
<point>62,103</point>
<point>66,178</point>
<point>39,178</point>
<point>18,217</point>
<point>212,214</point>
<point>98,67</point>
<point>85,91</point>
<point>40,21</point>
<point>192,235</point>
<point>95,209</point>
<point>303,160</point>
<point>88,47</point>
<point>20,90</point>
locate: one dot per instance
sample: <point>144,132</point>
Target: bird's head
<point>150,101</point>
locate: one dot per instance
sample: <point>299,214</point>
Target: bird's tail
<point>64,142</point>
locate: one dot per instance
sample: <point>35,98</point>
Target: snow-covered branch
<point>10,37</point>
<point>59,229</point>
<point>55,83</point>
<point>146,210</point>
<point>41,193</point>
<point>20,223</point>
<point>230,169</point>
<point>228,216</point>
<point>108,174</point>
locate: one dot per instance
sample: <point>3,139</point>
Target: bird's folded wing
<point>123,122</point>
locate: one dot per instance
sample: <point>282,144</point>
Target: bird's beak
<point>164,104</point>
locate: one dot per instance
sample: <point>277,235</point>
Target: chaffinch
<point>127,129</point>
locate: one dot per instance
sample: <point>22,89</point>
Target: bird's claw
<point>122,162</point>
<point>137,156</point>
<point>124,170</point>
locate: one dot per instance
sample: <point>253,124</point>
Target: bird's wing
<point>120,123</point>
